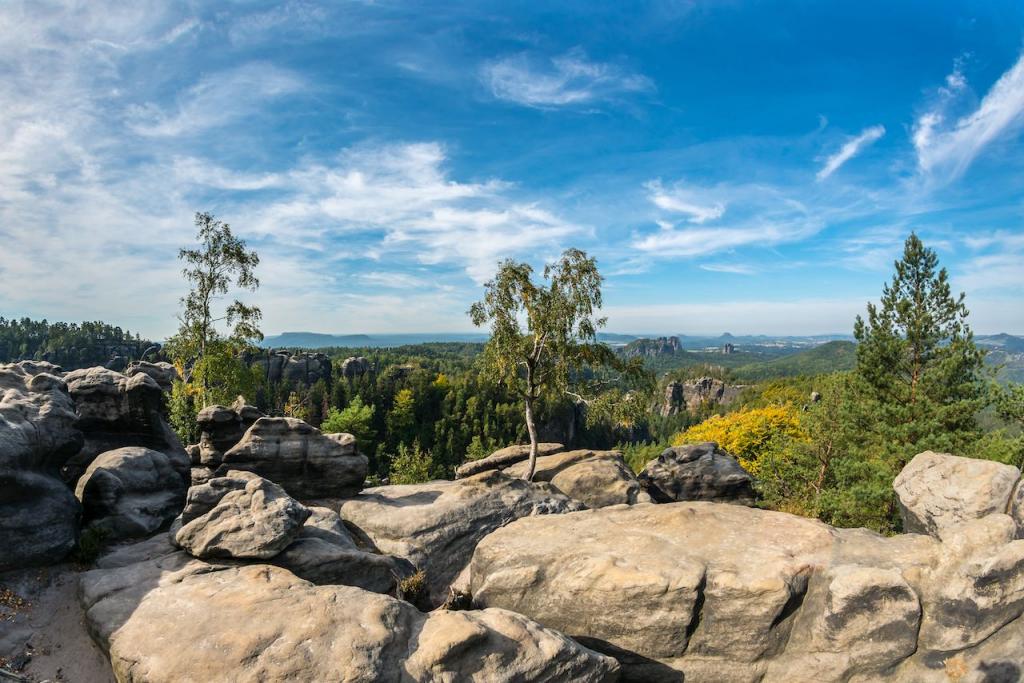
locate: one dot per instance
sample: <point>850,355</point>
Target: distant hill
<point>316,340</point>
<point>1004,342</point>
<point>828,357</point>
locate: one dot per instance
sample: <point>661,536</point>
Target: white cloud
<point>568,79</point>
<point>682,200</point>
<point>763,217</point>
<point>945,149</point>
<point>733,268</point>
<point>850,149</point>
<point>216,100</point>
<point>690,242</point>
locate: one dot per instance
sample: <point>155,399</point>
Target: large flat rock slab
<point>172,619</point>
<point>721,592</point>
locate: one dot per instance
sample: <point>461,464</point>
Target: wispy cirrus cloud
<point>850,149</point>
<point>762,216</point>
<point>680,199</point>
<point>565,80</point>
<point>947,145</point>
<point>216,100</point>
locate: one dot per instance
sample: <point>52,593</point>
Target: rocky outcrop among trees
<point>594,478</point>
<point>652,348</point>
<point>354,367</point>
<point>699,471</point>
<point>690,396</point>
<point>437,525</point>
<point>296,455</point>
<point>304,369</point>
<point>505,457</point>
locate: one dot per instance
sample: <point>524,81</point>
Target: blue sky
<point>741,166</point>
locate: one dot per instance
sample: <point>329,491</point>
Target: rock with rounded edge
<point>164,374</point>
<point>115,411</point>
<point>133,491</point>
<point>937,490</point>
<point>221,428</point>
<point>38,512</point>
<point>595,478</point>
<point>240,515</point>
<point>700,471</point>
<point>505,457</point>
<point>437,525</point>
<point>296,455</point>
<point>262,623</point>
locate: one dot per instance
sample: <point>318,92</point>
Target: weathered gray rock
<point>221,428</point>
<point>296,455</point>
<point>133,491</point>
<point>164,374</point>
<point>295,368</point>
<point>38,513</point>
<point>262,623</point>
<point>978,587</point>
<point>505,457</point>
<point>700,471</point>
<point>324,553</point>
<point>595,478</point>
<point>937,490</point>
<point>240,515</point>
<point>437,525</point>
<point>690,396</point>
<point>354,366</point>
<point>115,411</point>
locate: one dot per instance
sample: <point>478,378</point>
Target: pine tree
<point>918,369</point>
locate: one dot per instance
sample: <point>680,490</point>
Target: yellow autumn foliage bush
<point>747,433</point>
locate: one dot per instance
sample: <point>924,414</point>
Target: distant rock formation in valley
<point>651,348</point>
<point>690,395</point>
<point>302,368</point>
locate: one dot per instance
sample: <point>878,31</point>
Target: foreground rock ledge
<point>191,621</point>
<point>728,593</point>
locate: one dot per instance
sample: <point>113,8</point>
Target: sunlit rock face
<point>732,593</point>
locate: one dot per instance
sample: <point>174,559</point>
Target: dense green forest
<point>70,345</point>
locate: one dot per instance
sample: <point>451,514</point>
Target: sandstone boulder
<point>240,515</point>
<point>221,428</point>
<point>700,471</point>
<point>505,457</point>
<point>595,478</point>
<point>296,455</point>
<point>133,491</point>
<point>437,525</point>
<point>262,623</point>
<point>115,411</point>
<point>938,490</point>
<point>164,374</point>
<point>354,366</point>
<point>710,591</point>
<point>38,513</point>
